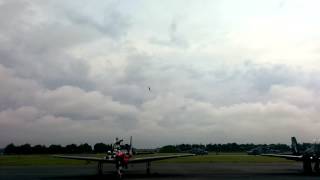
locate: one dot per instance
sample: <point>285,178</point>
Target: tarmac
<point>168,171</point>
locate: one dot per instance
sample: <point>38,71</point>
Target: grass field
<point>48,160</point>
<point>226,159</point>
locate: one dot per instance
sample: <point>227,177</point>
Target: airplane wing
<point>86,158</point>
<point>290,157</point>
<point>156,158</point>
<point>135,160</point>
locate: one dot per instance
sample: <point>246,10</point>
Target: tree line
<point>57,149</point>
<point>229,147</point>
<point>104,148</point>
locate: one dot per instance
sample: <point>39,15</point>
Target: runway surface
<point>160,171</point>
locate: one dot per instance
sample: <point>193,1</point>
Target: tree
<point>39,149</point>
<point>71,148</point>
<point>24,149</point>
<point>102,148</point>
<point>54,149</point>
<point>85,148</point>
<point>10,149</point>
<point>168,149</point>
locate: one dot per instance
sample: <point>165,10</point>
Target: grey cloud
<point>16,92</point>
<point>75,103</point>
<point>30,112</point>
<point>50,94</point>
<point>220,84</point>
<point>114,24</point>
<point>170,117</point>
<point>264,76</point>
<point>193,99</point>
<point>47,129</point>
<point>13,14</point>
<point>240,123</point>
<point>52,69</point>
<point>175,37</point>
<point>38,51</point>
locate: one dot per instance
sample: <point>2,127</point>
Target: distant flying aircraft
<point>122,157</point>
<point>308,157</point>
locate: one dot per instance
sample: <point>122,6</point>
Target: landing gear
<point>119,172</point>
<point>100,168</point>
<point>119,167</point>
<point>148,166</point>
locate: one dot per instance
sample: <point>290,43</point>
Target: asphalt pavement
<point>168,171</point>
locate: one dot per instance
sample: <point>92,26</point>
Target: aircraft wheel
<point>119,173</point>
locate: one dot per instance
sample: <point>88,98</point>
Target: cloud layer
<point>74,72</point>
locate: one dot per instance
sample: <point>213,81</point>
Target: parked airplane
<point>122,157</point>
<point>199,151</point>
<point>308,157</point>
<point>262,150</point>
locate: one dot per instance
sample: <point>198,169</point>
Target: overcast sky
<point>219,71</point>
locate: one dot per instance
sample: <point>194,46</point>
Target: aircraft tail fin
<point>294,145</point>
